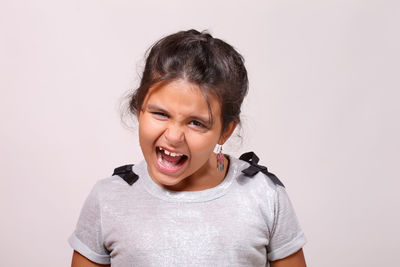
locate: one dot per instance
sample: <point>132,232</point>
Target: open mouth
<point>170,161</point>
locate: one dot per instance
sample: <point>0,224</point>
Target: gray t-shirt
<point>244,221</point>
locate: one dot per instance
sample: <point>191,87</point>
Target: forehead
<point>183,96</point>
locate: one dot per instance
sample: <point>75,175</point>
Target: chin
<point>167,181</point>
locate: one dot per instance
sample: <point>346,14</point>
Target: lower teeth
<point>159,157</point>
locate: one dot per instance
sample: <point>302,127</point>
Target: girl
<point>184,205</point>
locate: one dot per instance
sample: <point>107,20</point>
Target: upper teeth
<point>172,154</point>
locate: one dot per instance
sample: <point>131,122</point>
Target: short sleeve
<point>286,236</point>
<point>87,239</point>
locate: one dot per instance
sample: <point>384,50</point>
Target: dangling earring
<point>220,159</point>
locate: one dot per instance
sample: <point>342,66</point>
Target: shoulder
<point>258,191</point>
<point>105,184</point>
<point>104,188</point>
<point>122,179</point>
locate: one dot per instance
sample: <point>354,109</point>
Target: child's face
<point>176,135</point>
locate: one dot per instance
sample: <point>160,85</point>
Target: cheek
<point>149,130</point>
<point>201,144</point>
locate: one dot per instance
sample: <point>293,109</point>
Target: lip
<point>166,170</point>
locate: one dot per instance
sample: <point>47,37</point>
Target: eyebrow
<point>195,117</point>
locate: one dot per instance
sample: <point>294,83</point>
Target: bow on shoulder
<point>126,173</point>
<point>254,168</point>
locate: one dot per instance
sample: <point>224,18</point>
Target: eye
<point>198,124</point>
<point>159,114</point>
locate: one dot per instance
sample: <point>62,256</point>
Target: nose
<point>174,134</point>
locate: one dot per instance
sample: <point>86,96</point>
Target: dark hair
<point>215,66</point>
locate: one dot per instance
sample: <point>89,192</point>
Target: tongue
<point>171,159</point>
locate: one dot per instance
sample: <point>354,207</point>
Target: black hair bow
<point>126,173</point>
<point>254,168</point>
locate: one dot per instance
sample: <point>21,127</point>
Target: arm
<point>80,261</point>
<point>294,260</point>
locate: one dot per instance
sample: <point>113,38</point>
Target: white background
<point>322,113</point>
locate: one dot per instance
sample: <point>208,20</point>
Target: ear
<point>227,132</point>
